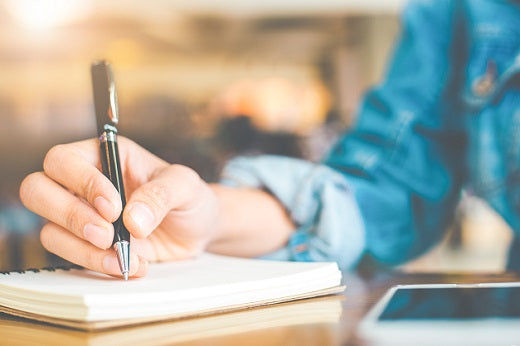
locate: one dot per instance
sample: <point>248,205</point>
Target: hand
<point>171,213</point>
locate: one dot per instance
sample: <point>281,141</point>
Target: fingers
<point>75,167</point>
<point>175,187</point>
<point>64,244</point>
<point>50,200</point>
<point>81,203</point>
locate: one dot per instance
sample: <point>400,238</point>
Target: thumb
<point>175,187</point>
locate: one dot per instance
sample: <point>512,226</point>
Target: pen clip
<point>113,111</point>
<point>105,96</point>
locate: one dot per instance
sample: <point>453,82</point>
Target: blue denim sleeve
<point>317,198</point>
<point>405,157</point>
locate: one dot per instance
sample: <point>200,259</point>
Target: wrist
<point>221,227</point>
<point>250,222</point>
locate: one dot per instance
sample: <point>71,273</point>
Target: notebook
<point>83,299</point>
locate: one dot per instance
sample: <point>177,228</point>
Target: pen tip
<point>125,275</point>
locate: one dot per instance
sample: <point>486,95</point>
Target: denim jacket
<point>446,117</point>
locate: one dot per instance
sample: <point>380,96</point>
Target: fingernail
<point>104,207</point>
<point>96,235</point>
<point>142,216</point>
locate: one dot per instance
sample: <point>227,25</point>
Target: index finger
<point>75,166</point>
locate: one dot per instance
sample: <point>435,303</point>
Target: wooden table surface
<point>323,321</point>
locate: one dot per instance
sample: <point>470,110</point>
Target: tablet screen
<point>453,303</point>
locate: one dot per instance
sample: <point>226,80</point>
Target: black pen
<point>107,116</point>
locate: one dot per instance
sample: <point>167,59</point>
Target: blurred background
<point>198,82</point>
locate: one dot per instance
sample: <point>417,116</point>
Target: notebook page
<point>208,282</point>
<point>205,271</point>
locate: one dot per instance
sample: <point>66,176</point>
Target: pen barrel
<point>110,164</point>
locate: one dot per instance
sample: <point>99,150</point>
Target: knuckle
<point>91,260</point>
<point>126,146</point>
<point>192,180</point>
<point>186,173</point>
<point>123,140</point>
<point>158,195</point>
<point>55,154</point>
<point>29,186</point>
<point>72,216</point>
<point>89,186</point>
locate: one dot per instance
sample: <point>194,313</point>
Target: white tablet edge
<point>476,332</point>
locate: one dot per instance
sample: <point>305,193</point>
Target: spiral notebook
<point>83,299</point>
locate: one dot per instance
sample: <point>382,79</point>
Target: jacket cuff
<point>318,199</point>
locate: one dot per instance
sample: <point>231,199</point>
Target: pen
<point>107,117</point>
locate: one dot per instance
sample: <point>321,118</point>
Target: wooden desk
<point>323,321</point>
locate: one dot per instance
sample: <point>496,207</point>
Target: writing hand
<point>171,213</point>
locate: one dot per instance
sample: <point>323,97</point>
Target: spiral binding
<point>65,267</point>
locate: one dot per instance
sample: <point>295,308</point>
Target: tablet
<point>446,314</point>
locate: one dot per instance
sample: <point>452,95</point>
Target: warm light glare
<point>42,14</point>
<point>124,52</point>
<point>277,104</point>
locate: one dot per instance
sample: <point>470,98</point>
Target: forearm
<point>252,222</point>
